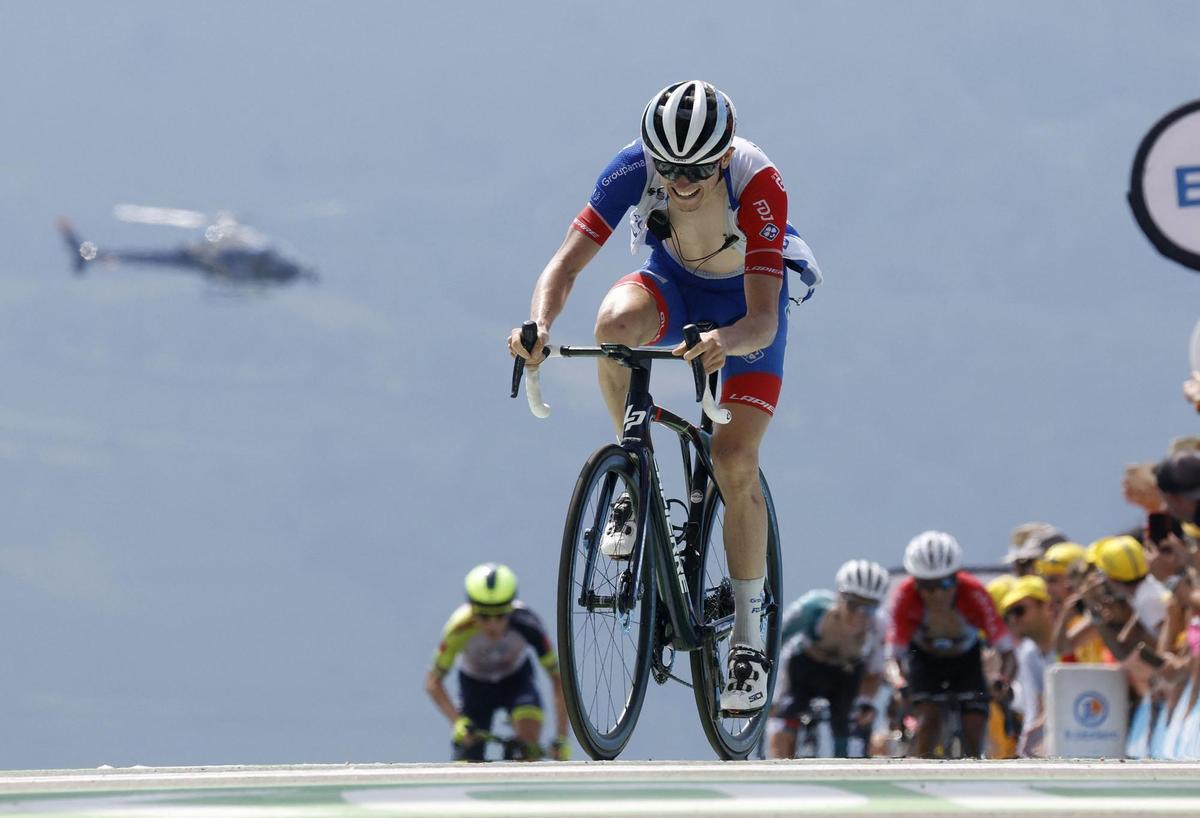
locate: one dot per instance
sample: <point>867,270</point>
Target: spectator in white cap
<point>1029,543</point>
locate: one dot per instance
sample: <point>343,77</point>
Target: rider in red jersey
<point>938,614</point>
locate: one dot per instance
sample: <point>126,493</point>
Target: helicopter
<point>229,252</point>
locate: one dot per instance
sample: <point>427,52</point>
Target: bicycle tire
<point>602,649</point>
<point>731,738</point>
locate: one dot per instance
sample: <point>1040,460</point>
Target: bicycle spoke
<point>606,653</point>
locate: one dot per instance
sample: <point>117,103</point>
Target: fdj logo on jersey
<point>1090,709</point>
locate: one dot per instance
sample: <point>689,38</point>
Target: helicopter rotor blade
<point>170,216</point>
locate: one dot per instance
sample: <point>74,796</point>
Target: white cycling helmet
<point>863,578</point>
<point>689,123</point>
<point>932,554</point>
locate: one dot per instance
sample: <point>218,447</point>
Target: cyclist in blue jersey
<point>832,649</point>
<point>713,210</point>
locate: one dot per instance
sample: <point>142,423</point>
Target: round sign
<point>1164,187</point>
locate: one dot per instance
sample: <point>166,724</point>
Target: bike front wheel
<point>730,737</point>
<point>605,642</point>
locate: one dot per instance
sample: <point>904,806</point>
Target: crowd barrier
<point>1166,730</point>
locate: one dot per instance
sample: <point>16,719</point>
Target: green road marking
<point>877,790</point>
<point>555,792</point>
<point>1123,790</point>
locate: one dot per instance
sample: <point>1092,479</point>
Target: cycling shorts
<point>481,700</point>
<point>959,676</point>
<point>804,679</point>
<point>684,298</point>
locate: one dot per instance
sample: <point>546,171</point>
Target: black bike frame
<point>673,568</point>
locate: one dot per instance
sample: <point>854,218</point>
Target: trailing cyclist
<point>832,649</point>
<point>713,209</point>
<point>491,635</point>
<point>938,612</point>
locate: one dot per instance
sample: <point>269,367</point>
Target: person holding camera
<point>1123,604</point>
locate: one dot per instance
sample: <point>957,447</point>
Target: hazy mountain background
<point>233,524</point>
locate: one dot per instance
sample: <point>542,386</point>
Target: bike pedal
<point>740,714</point>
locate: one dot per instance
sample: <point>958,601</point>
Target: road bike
<point>622,621</point>
<point>949,741</point>
<point>510,748</point>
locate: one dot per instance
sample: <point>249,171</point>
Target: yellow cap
<point>1027,587</point>
<point>1059,557</point>
<point>999,587</point>
<point>1121,558</point>
<point>1090,553</point>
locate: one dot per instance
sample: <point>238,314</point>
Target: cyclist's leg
<point>929,725</point>
<point>925,678</point>
<point>479,702</point>
<point>841,696</point>
<point>972,693</point>
<point>524,704</point>
<point>791,699</point>
<point>641,308</point>
<point>750,386</point>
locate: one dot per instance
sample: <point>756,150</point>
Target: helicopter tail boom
<point>81,252</point>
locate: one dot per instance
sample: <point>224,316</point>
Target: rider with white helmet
<point>938,613</point>
<point>832,649</point>
<point>713,210</point>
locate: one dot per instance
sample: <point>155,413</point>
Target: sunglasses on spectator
<point>943,584</point>
<point>1015,612</point>
<point>694,173</point>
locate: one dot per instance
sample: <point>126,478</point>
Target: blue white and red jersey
<point>756,226</point>
<point>757,214</point>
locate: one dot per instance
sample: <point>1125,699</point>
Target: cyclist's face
<point>688,196</point>
<point>937,593</point>
<point>857,611</point>
<point>492,626</point>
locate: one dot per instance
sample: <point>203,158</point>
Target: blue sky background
<point>233,525</point>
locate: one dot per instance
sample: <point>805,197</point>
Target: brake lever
<point>529,334</point>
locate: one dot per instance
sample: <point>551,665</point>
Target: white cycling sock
<point>747,612</point>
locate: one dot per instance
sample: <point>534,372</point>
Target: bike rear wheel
<point>606,650</point>
<point>731,738</point>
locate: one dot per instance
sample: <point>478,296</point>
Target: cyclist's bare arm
<point>551,291</point>
<point>437,691</point>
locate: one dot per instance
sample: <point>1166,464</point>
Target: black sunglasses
<point>943,584</point>
<point>857,604</point>
<point>491,614</point>
<point>694,173</point>
<point>1015,612</point>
